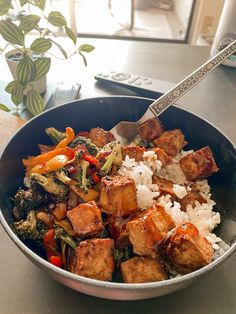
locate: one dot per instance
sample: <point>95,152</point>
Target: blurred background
<point>187,21</point>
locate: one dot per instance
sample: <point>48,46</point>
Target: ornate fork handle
<point>179,90</point>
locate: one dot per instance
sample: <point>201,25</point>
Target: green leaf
<point>4,6</point>
<point>4,108</point>
<point>42,67</point>
<point>9,88</point>
<point>11,33</point>
<point>60,48</point>
<point>40,4</point>
<point>34,102</point>
<point>71,34</point>
<point>17,94</point>
<point>41,45</point>
<point>29,22</point>
<point>86,48</point>
<point>25,70</point>
<point>23,2</point>
<point>56,19</point>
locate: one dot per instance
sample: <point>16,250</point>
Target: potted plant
<point>29,63</point>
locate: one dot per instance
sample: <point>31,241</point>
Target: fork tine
<point>125,131</point>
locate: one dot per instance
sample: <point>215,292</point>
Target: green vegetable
<point>80,140</point>
<point>115,157</point>
<point>26,200</point>
<point>55,135</point>
<point>60,233</point>
<point>31,228</point>
<point>58,191</point>
<point>81,176</point>
<point>62,175</point>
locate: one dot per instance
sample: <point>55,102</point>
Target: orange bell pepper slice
<point>70,135</point>
<point>33,161</point>
<point>52,164</point>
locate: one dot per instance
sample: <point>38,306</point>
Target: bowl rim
<point>107,284</point>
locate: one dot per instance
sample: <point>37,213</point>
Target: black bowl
<point>106,112</point>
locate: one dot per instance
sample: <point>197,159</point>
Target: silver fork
<point>126,131</point>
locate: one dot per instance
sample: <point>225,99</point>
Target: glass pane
<point>153,19</point>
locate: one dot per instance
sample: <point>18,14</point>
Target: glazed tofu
<point>162,156</point>
<point>117,229</point>
<point>135,152</point>
<point>86,219</point>
<point>100,137</point>
<point>190,199</point>
<point>141,269</point>
<point>186,250</point>
<point>165,186</point>
<point>199,164</point>
<point>148,229</point>
<point>150,129</point>
<point>94,258</point>
<point>118,196</point>
<point>171,141</point>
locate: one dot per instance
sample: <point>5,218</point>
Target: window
<point>163,20</point>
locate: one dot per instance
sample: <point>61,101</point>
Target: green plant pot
<point>39,85</point>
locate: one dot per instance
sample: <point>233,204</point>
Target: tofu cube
<point>117,229</point>
<point>150,129</point>
<point>118,196</point>
<point>142,269</point>
<point>171,141</point>
<point>162,156</point>
<point>190,199</point>
<point>148,229</point>
<point>165,187</point>
<point>86,219</point>
<point>186,250</point>
<point>199,164</point>
<point>100,137</point>
<point>135,152</point>
<point>94,258</point>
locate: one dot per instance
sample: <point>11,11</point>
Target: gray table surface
<point>26,289</point>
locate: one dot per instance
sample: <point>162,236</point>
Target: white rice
<point>201,215</point>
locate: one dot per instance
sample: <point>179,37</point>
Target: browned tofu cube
<point>86,219</point>
<point>165,187</point>
<point>190,199</point>
<point>162,156</point>
<point>171,141</point>
<point>118,196</point>
<point>186,250</point>
<point>135,152</point>
<point>150,129</point>
<point>100,137</point>
<point>199,164</point>
<point>141,269</point>
<point>94,258</point>
<point>148,229</point>
<point>117,229</point>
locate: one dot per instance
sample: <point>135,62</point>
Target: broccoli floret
<point>26,200</point>
<point>115,157</point>
<point>62,175</point>
<point>55,135</point>
<point>60,233</point>
<point>58,191</point>
<point>31,228</point>
<point>80,140</point>
<point>81,176</point>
